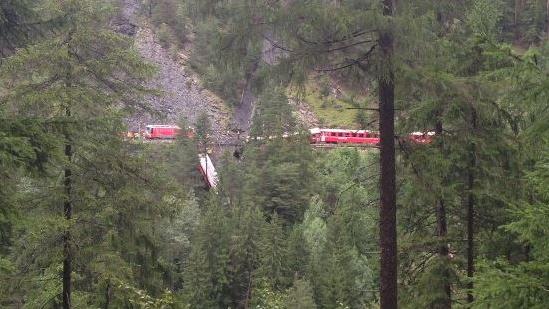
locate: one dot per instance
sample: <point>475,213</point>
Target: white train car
<point>208,170</point>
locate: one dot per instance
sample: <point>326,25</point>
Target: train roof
<point>208,169</point>
<point>162,126</point>
<point>319,130</point>
<point>430,133</point>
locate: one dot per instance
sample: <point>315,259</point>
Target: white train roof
<point>162,126</point>
<point>319,130</point>
<point>209,170</point>
<point>430,133</point>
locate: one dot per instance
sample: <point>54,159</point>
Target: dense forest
<point>90,218</point>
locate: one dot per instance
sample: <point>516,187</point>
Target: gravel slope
<point>183,97</point>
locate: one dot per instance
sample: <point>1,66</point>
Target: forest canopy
<point>91,217</point>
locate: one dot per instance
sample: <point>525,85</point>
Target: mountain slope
<point>183,97</point>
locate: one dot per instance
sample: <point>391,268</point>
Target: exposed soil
<point>304,113</point>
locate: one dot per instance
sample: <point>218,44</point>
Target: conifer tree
<point>20,23</point>
<point>207,276</point>
<point>273,255</point>
<point>79,79</point>
<point>468,89</point>
<point>247,224</point>
<point>300,296</point>
<point>320,45</point>
<point>515,272</point>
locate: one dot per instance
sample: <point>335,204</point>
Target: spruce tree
<point>323,44</point>
<point>300,296</point>
<point>207,278</point>
<point>21,23</point>
<point>82,79</point>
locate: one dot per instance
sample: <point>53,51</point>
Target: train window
<point>353,134</point>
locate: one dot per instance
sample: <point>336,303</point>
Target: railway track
<point>235,144</point>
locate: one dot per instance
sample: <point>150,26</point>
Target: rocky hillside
<point>183,96</point>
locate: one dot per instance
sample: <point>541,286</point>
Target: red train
<point>341,136</point>
<point>317,135</point>
<point>166,132</point>
<point>361,137</point>
<point>161,131</point>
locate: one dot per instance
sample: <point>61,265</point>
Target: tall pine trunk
<point>443,253</point>
<point>519,7</point>
<point>440,208</point>
<point>108,292</point>
<point>67,210</point>
<point>547,20</point>
<point>387,211</point>
<point>67,205</point>
<point>442,233</point>
<point>471,207</point>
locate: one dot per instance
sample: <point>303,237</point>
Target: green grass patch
<point>336,110</point>
<point>331,111</point>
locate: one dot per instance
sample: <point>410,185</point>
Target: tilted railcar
<point>208,171</point>
<point>422,137</point>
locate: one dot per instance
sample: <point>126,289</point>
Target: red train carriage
<point>341,136</point>
<point>161,131</point>
<point>364,137</point>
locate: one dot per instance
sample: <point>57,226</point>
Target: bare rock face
<point>124,26</point>
<point>304,113</point>
<point>182,95</point>
<point>125,22</point>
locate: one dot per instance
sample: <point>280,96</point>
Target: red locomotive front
<point>161,131</point>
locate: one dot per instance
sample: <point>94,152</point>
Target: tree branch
<point>350,63</point>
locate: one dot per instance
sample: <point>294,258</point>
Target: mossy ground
<point>332,111</point>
